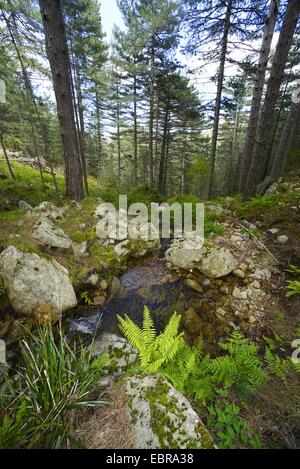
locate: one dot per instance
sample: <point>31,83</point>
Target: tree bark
<point>162,162</point>
<point>151,113</point>
<point>29,91</point>
<point>118,135</point>
<point>284,145</point>
<point>258,91</point>
<point>6,157</point>
<point>259,162</point>
<point>81,127</point>
<point>135,137</point>
<point>219,96</point>
<point>57,52</point>
<point>99,135</point>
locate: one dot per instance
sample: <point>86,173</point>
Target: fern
<point>189,371</point>
<point>276,365</point>
<point>154,351</point>
<point>293,287</point>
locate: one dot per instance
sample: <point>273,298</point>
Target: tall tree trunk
<point>81,127</point>
<point>284,145</point>
<point>135,136</point>
<point>259,162</point>
<point>6,157</point>
<point>151,113</point>
<point>233,150</point>
<point>166,162</point>
<point>57,52</point>
<point>258,91</point>
<point>163,152</point>
<point>219,96</point>
<point>28,87</point>
<point>156,141</point>
<point>118,135</point>
<point>99,135</point>
<point>183,156</point>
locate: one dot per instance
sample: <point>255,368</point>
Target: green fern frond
<point>148,332</point>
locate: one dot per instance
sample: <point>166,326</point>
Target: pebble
<point>224,290</point>
<point>191,283</point>
<point>252,319</point>
<point>206,283</point>
<point>239,294</point>
<point>273,230</point>
<point>256,284</point>
<point>221,312</point>
<point>103,284</point>
<point>239,273</point>
<point>99,300</point>
<point>282,239</point>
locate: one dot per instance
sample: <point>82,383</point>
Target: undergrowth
<point>53,379</point>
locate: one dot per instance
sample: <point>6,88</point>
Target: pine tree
<point>57,52</point>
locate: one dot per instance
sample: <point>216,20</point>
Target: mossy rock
<point>121,354</point>
<point>161,417</point>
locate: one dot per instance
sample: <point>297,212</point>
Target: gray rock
<point>73,204</point>
<point>217,209</point>
<point>161,417</point>
<point>282,239</point>
<point>122,248</point>
<point>239,273</point>
<point>221,312</point>
<point>120,352</point>
<point>33,281</point>
<point>102,210</point>
<point>213,262</point>
<point>25,205</point>
<point>273,230</point>
<point>240,294</point>
<point>206,283</point>
<point>51,235</point>
<point>217,262</point>
<point>80,250</point>
<point>116,287</point>
<point>48,210</point>
<point>185,253</point>
<point>194,285</point>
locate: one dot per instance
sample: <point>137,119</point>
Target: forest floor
<point>272,222</point>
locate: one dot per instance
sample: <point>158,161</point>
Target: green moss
<point>102,257</point>
<point>77,275</point>
<point>11,215</point>
<point>78,236</point>
<point>258,205</point>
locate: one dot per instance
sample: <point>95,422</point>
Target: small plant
<point>35,401</point>
<point>293,287</point>
<point>86,298</point>
<point>232,431</point>
<point>293,269</point>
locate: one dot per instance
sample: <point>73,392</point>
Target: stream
<point>149,283</point>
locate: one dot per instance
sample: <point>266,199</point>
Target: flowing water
<point>148,283</point>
